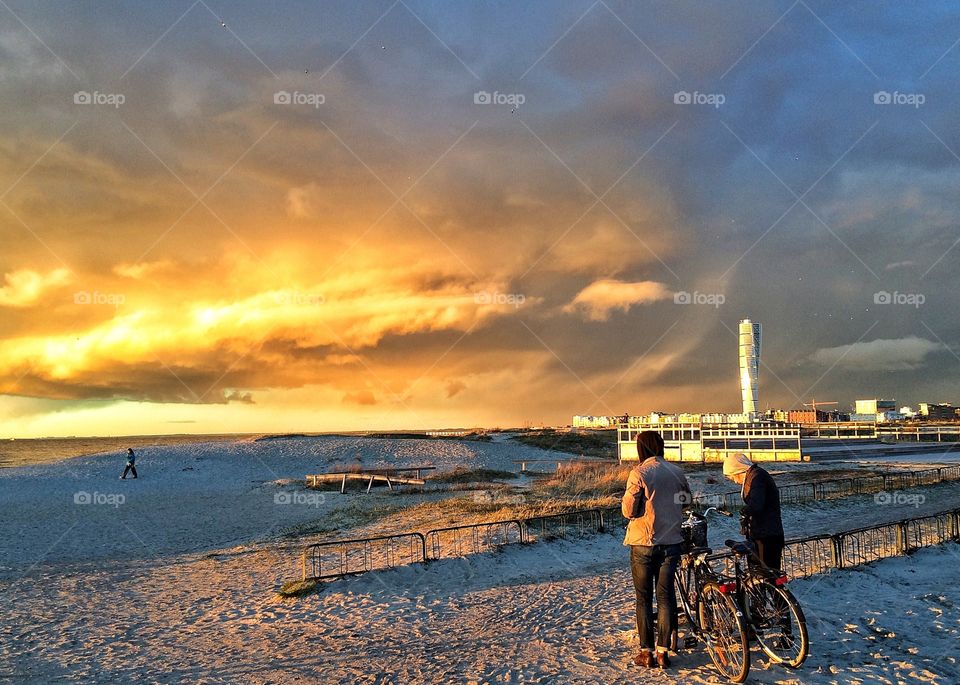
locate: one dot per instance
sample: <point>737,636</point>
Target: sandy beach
<point>177,584</point>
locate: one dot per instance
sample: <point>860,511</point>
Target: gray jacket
<point>656,494</point>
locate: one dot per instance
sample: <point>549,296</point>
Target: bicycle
<point>773,613</point>
<point>709,604</point>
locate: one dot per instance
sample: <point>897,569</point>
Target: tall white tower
<point>750,367</point>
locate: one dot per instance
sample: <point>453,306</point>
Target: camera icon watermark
<point>83,97</point>
<point>483,97</point>
<point>884,97</point>
<point>914,300</point>
<point>714,300</point>
<point>899,499</point>
<point>114,499</point>
<point>98,298</point>
<point>683,97</point>
<point>307,499</point>
<point>486,297</point>
<point>285,97</point>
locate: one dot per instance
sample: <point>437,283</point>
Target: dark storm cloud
<point>710,206</point>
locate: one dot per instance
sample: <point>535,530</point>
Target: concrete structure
<point>874,406</point>
<point>749,340</point>
<point>589,421</point>
<point>937,412</point>
<point>699,441</point>
<point>807,416</point>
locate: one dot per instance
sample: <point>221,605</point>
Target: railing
<point>563,525</point>
<point>796,493</point>
<point>818,554</point>
<point>340,558</point>
<point>459,541</point>
<point>801,557</point>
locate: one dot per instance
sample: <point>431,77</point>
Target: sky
<point>249,217</point>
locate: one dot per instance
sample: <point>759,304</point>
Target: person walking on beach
<point>653,503</point>
<point>130,468</point>
<point>760,517</point>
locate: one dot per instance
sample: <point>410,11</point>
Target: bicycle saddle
<point>739,547</point>
<point>700,550</point>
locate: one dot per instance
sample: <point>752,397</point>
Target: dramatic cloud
<point>25,287</point>
<point>388,248</point>
<point>903,354</point>
<point>598,299</point>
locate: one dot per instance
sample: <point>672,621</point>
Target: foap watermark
<point>83,97</point>
<point>697,297</point>
<point>299,299</point>
<point>482,97</point>
<point>306,499</point>
<point>915,300</point>
<point>497,497</point>
<point>515,300</point>
<point>97,297</point>
<point>683,97</point>
<point>899,499</point>
<point>285,97</point>
<point>884,97</point>
<point>702,500</point>
<point>111,499</point>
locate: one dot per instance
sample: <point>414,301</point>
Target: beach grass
<point>595,443</point>
<point>298,588</point>
<point>465,475</point>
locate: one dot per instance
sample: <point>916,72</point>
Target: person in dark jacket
<point>760,516</point>
<point>130,468</point>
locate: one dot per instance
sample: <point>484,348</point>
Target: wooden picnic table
<point>390,476</point>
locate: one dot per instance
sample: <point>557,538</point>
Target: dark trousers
<point>130,468</point>
<point>655,566</point>
<point>770,551</point>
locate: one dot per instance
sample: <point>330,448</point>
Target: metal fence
<point>459,541</point>
<point>821,553</point>
<point>340,558</point>
<point>563,525</point>
<point>837,488</point>
<point>801,557</point>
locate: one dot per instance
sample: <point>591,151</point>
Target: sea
<point>24,452</point>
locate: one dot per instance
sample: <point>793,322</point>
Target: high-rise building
<point>750,367</point>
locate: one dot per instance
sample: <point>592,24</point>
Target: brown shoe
<point>663,660</point>
<point>644,658</point>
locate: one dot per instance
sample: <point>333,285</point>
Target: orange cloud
<point>598,299</point>
<point>26,287</point>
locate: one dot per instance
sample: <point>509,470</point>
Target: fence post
<point>902,537</point>
<point>836,550</point>
<point>303,563</point>
<point>423,545</point>
<point>600,512</point>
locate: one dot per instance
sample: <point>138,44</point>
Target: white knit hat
<point>735,464</point>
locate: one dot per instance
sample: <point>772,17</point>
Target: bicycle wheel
<point>778,622</point>
<point>685,582</point>
<point>723,631</point>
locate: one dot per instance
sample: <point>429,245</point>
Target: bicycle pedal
<point>689,641</point>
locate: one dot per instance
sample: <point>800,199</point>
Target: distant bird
<point>306,71</point>
<point>382,46</point>
<point>223,24</point>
